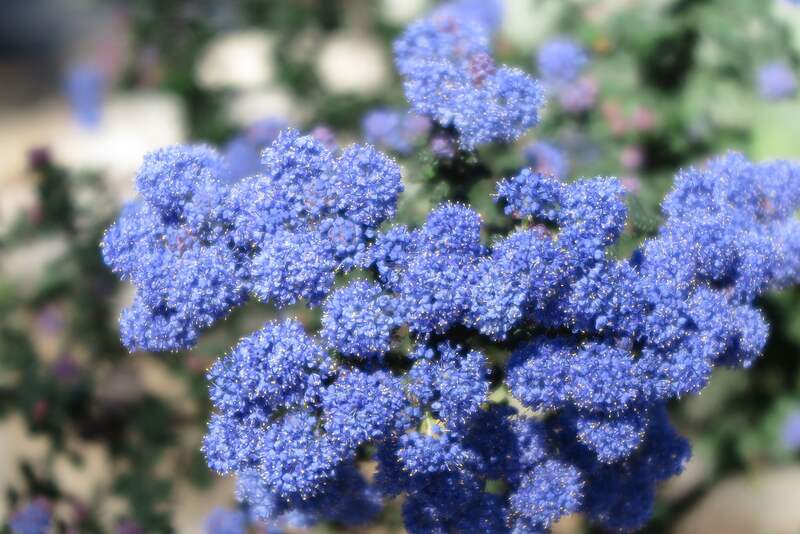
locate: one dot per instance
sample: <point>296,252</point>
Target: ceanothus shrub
<point>572,420</point>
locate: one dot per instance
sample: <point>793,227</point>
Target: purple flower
<point>225,521</point>
<point>450,77</point>
<point>425,328</point>
<point>561,61</point>
<point>776,81</point>
<point>790,431</point>
<point>85,87</point>
<point>33,518</point>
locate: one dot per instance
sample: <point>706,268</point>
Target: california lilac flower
<point>243,153</point>
<point>561,61</point>
<point>449,384</point>
<point>195,245</point>
<point>395,129</point>
<point>450,76</point>
<point>430,335</point>
<point>225,521</point>
<point>85,87</point>
<point>580,96</point>
<point>790,431</point>
<point>166,245</point>
<point>561,64</point>
<point>487,13</point>
<point>358,320</point>
<point>549,491</point>
<point>33,518</point>
<point>776,81</point>
<point>294,408</point>
<point>547,158</point>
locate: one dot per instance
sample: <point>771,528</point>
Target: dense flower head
<point>497,377</point>
<point>196,245</point>
<point>521,274</point>
<point>434,283</point>
<point>358,320</point>
<point>450,76</point>
<point>561,61</point>
<point>776,81</point>
<point>369,184</point>
<point>33,518</point>
<point>549,491</point>
<point>598,344</point>
<point>275,368</point>
<point>550,373</point>
<point>160,329</point>
<point>531,194</point>
<point>450,387</point>
<point>182,183</point>
<point>167,243</point>
<point>294,458</point>
<point>361,407</point>
<point>432,453</point>
<point>388,254</point>
<point>612,438</point>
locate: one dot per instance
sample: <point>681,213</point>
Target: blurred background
<point>95,440</point>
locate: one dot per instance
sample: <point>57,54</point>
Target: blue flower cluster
<point>486,13</point>
<point>34,518</point>
<point>790,431</point>
<point>599,345</point>
<point>499,383</point>
<point>225,521</point>
<point>776,81</point>
<point>561,63</point>
<point>196,245</point>
<point>450,76</point>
